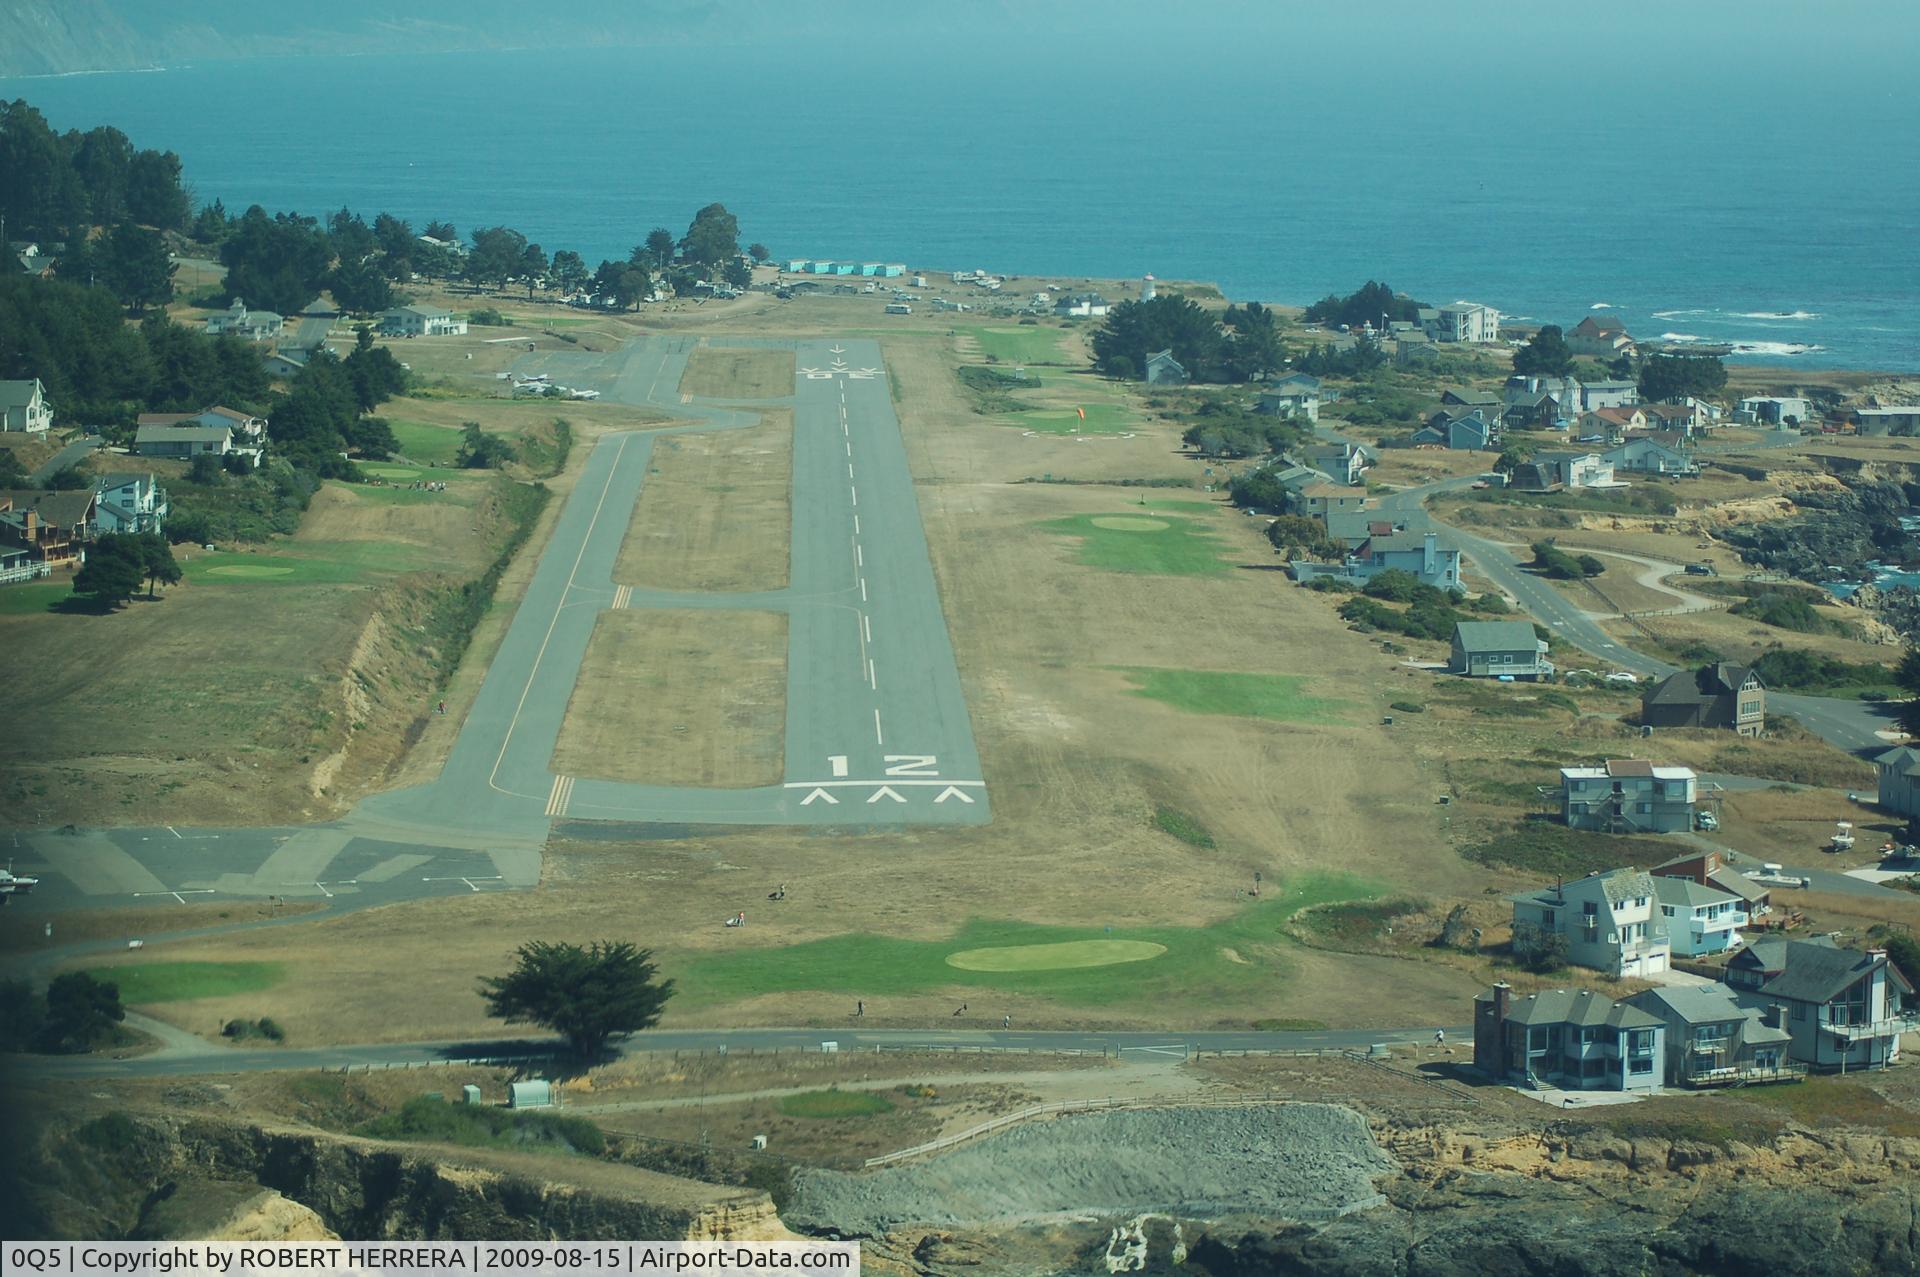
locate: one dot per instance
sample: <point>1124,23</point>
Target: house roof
<point>1585,1008</point>
<point>1496,636</point>
<point>231,414</point>
<point>181,434</point>
<point>1669,410</point>
<point>1472,398</point>
<point>1330,490</point>
<point>1462,308</point>
<point>1408,540</point>
<point>1612,387</point>
<point>1806,970</point>
<point>18,394</point>
<point>1903,759</point>
<point>63,509</point>
<point>163,418</point>
<point>1624,768</point>
<point>1344,524</point>
<point>424,312</point>
<point>1298,381</point>
<point>121,479</point>
<point>1605,323</point>
<point>1684,893</point>
<point>1693,687</point>
<point>1710,1004</point>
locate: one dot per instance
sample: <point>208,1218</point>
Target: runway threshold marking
<point>180,895</point>
<point>472,883</point>
<point>560,795</point>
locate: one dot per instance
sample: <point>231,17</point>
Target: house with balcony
<point>1629,796</point>
<point>1465,322</point>
<point>1420,554</point>
<point>1580,1041</point>
<point>1599,337</point>
<point>1296,395</point>
<point>1700,921</point>
<point>1773,410</point>
<point>1461,427</point>
<point>1712,1040</point>
<point>52,527</point>
<point>128,503</point>
<point>248,325</point>
<point>1577,469</point>
<point>1595,395</point>
<point>1499,649</point>
<point>1710,869</point>
<point>1722,695</point>
<point>1646,455</point>
<point>1845,1009</point>
<point>1610,921</point>
<point>421,321</point>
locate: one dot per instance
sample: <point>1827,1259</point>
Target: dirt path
<point>1652,576</point>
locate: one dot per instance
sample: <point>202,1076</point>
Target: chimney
<point>1502,996</point>
<point>1771,1017</point>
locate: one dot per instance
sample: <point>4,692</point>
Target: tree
<point>154,194</point>
<point>737,273</point>
<point>157,560</point>
<point>713,237</point>
<point>22,1016</point>
<point>276,263</point>
<point>658,250</point>
<point>533,266</point>
<point>1513,456</point>
<point>211,224</point>
<point>567,270</point>
<point>116,565</point>
<point>1667,378</point>
<point>1546,355</point>
<point>137,266</point>
<point>1291,533</point>
<point>1907,675</point>
<point>397,242</point>
<point>80,1009</point>
<point>1253,346</point>
<point>1536,948</point>
<point>588,995</point>
<point>627,283</point>
<point>499,254</point>
<point>1134,330</point>
<point>68,479</point>
<point>361,286</point>
<point>442,231</point>
<point>1371,303</point>
<point>205,469</point>
<point>759,253</point>
<point>482,451</point>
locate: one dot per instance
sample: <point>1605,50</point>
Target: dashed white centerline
<point>856,525</point>
<point>878,738</point>
<point>859,556</point>
<point>866,626</point>
<point>849,469</point>
<point>856,493</point>
<point>849,447</point>
<point>863,589</point>
<point>873,678</point>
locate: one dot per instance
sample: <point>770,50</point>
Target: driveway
<point>71,455</point>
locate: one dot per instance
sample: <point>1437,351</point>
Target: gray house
<point>1712,1040</point>
<point>1845,1008</point>
<point>1648,456</point>
<point>1721,695</point>
<point>1164,370</point>
<point>182,441</point>
<point>1468,429</point>
<point>24,408</point>
<point>1576,1041</point>
<point>1629,795</point>
<point>1295,395</point>
<point>1499,649</point>
<point>1899,770</point>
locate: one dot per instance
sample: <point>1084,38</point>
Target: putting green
<point>250,569</point>
<point>1056,957</point>
<point>391,472</point>
<point>1130,523</point>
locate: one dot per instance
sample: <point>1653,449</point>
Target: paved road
<point>877,732</point>
<point>71,455</point>
<point>182,1060</point>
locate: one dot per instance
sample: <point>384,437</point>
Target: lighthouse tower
<point>1146,289</point>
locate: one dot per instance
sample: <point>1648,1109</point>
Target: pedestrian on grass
<point>860,1009</point>
<point>1006,1022</point>
<point>957,1010</point>
<point>1440,1038</point>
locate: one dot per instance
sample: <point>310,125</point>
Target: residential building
<point>250,325</point>
<point>1773,410</point>
<point>244,425</point>
<point>1080,305</point>
<point>1611,424</point>
<point>1499,649</point>
<point>287,362</point>
<point>1419,553</point>
<point>17,564</point>
<point>1164,370</point>
<point>1572,1041</point>
<point>1903,420</point>
<point>1845,1008</point>
<point>1352,528</point>
<point>24,407</point>
<point>1457,397</point>
<point>52,527</point>
<point>1700,921</point>
<point>1684,417</point>
<point>421,321</point>
<point>1297,395</point>
<point>1609,920</point>
<point>1712,1040</point>
<point>1599,337</point>
<point>1338,459</point>
<point>129,503</point>
<point>1323,498</point>
<point>1645,455</point>
<point>1629,795</point>
<point>1720,695</point>
<point>1466,429</point>
<point>182,441</point>
<point>1608,394</point>
<point>1466,321</point>
<point>1543,403</point>
<point>1578,469</point>
<point>1899,770</point>
<point>1710,869</point>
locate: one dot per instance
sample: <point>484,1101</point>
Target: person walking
<point>1440,1040</point>
<point>1006,1022</point>
<point>859,1010</point>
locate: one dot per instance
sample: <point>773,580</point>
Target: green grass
<point>1188,830</point>
<point>328,562</point>
<point>1185,507</point>
<point>1182,548</point>
<point>1020,345</point>
<point>145,982</point>
<point>1102,419</point>
<point>32,597</point>
<point>1277,697</point>
<point>381,470</point>
<point>1191,971</point>
<point>828,1105</point>
<point>1827,1102</point>
<point>425,443</point>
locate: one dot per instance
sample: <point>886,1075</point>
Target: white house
<point>1700,920</point>
<point>129,503</point>
<point>1081,304</point>
<point>1596,395</point>
<point>1599,337</point>
<point>1844,1007</point>
<point>1773,410</point>
<point>250,325</point>
<point>1579,469</point>
<point>24,407</point>
<point>1649,456</point>
<point>1466,321</point>
<point>1628,795</point>
<point>1295,395</point>
<point>182,441</point>
<point>421,321</point>
<point>1610,921</point>
<point>242,424</point>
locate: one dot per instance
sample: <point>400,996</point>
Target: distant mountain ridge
<point>58,37</point>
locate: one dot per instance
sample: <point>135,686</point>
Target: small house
<point>1899,770</point>
<point>1845,1008</point>
<point>1710,869</point>
<point>1081,305</point>
<point>1700,921</point>
<point>1609,921</point>
<point>249,325</point>
<point>1499,649</point>
<point>1164,370</point>
<point>1646,455</point>
<point>1712,1040</point>
<point>24,407</point>
<point>129,503</point>
<point>52,527</point>
<point>1599,337</point>
<point>1468,429</point>
<point>421,321</point>
<point>1581,1041</point>
<point>1774,410</point>
<point>182,441</point>
<point>1720,695</point>
<point>1901,420</point>
<point>1595,395</point>
<point>1578,469</point>
<point>1296,395</point>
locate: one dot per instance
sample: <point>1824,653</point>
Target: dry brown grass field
<point>679,698</point>
<point>717,372</point>
<point>715,511</point>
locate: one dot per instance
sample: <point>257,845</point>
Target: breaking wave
<point>1601,306</point>
<point>1677,314</point>
<point>1776,314</point>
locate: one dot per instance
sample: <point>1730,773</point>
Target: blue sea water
<point>1690,200</point>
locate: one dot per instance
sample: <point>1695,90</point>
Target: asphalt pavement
<point>71,455</point>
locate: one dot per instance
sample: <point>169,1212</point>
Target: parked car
<point>1706,820</point>
<point>1621,676</point>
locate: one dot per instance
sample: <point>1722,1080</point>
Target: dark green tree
<point>205,469</point>
<point>482,451</point>
<point>138,267</point>
<point>1667,378</point>
<point>12,474</point>
<point>1545,355</point>
<point>1371,303</point>
<point>498,255</point>
<point>758,252</point>
<point>68,479</point>
<point>1294,534</point>
<point>116,565</point>
<point>627,283</point>
<point>567,271</point>
<point>103,160</point>
<point>589,995</point>
<point>157,560</point>
<point>1513,456</point>
<point>1252,348</point>
<point>80,1011</point>
<point>737,273</point>
<point>375,374</point>
<point>276,263</point>
<point>442,231</point>
<point>1907,675</point>
<point>1137,329</point>
<point>211,224</point>
<point>361,286</point>
<point>40,194</point>
<point>23,1015</point>
<point>713,238</point>
<point>154,194</point>
<point>657,251</point>
<point>353,240</point>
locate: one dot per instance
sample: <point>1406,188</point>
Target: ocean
<point>1695,203</point>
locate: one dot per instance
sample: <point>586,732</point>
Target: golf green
<point>391,472</point>
<point>1129,523</point>
<point>1063,956</point>
<point>250,569</point>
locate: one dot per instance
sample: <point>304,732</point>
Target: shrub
<point>1561,566</point>
<point>1590,566</point>
<point>1332,585</point>
<point>1788,670</point>
<point>488,317</point>
<point>1172,821</point>
<point>1787,612</point>
<point>1394,585</point>
<point>1408,707</point>
<point>1537,949</point>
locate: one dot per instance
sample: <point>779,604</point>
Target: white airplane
<point>538,376</point>
<point>583,394</point>
<point>12,884</point>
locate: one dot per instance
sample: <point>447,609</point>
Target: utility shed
<point>537,1094</point>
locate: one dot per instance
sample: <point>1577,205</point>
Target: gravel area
<point>1305,1161</point>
